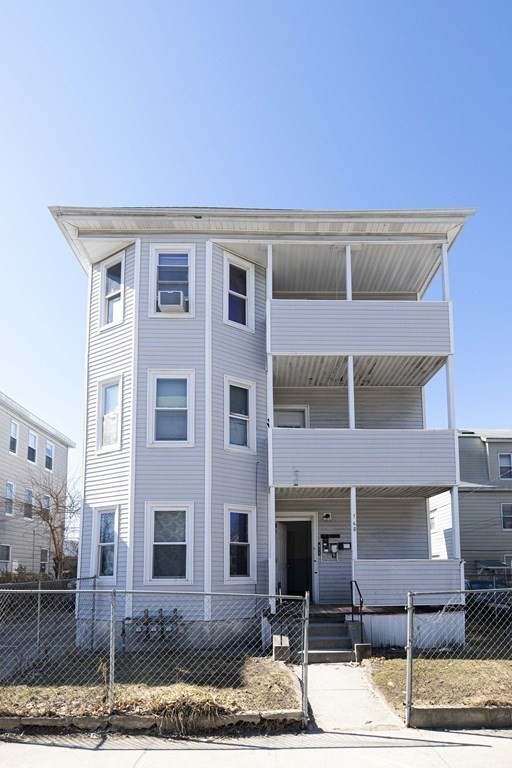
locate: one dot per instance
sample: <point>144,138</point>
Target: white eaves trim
<point>34,421</point>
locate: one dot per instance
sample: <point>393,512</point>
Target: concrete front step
<point>318,628</point>
<point>329,656</point>
<point>327,641</point>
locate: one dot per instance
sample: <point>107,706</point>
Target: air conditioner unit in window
<point>171,301</point>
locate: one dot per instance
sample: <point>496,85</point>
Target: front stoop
<point>330,642</point>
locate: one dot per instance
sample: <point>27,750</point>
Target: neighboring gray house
<point>30,449</point>
<point>485,504</point>
<point>255,399</point>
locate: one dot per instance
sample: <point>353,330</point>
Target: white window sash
<point>112,420</point>
<point>149,541</point>
<point>251,419</point>
<point>95,544</point>
<point>33,447</point>
<point>179,248</point>
<point>252,541</point>
<point>105,297</point>
<point>153,376</point>
<point>249,298</point>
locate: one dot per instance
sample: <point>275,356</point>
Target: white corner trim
<point>251,512</point>
<point>149,508</point>
<point>208,429</point>
<point>133,431</point>
<point>154,250</point>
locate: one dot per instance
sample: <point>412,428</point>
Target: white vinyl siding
<point>168,534</point>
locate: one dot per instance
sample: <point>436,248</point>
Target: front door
<point>294,556</point>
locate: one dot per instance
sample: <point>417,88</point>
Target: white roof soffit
<point>15,408</point>
<point>95,233</point>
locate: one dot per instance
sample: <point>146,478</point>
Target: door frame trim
<point>311,517</point>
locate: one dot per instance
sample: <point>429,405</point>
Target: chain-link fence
<point>93,651</point>
<point>459,649</point>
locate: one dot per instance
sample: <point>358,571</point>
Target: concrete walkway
<point>341,699</point>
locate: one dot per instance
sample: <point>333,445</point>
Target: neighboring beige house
<point>28,448</point>
<point>485,504</point>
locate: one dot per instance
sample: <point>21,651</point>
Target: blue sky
<point>270,104</point>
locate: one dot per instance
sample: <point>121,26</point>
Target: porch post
<point>270,423</point>
<point>351,398</point>
<point>455,524</point>
<point>348,272</point>
<point>353,528</point>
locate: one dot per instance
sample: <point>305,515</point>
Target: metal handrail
<point>353,583</point>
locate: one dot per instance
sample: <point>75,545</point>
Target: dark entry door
<point>298,557</point>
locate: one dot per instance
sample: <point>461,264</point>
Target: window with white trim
<point>13,440</point>
<point>171,408</point>
<point>172,280</point>
<point>240,414</point>
<point>112,289</point>
<point>28,502</point>
<point>109,416</point>
<point>43,561</point>
<point>104,565</point>
<point>48,459</point>
<point>506,517</point>
<point>45,506</point>
<point>32,447</point>
<point>5,557</point>
<point>240,543</point>
<point>10,492</point>
<point>505,463</point>
<point>238,292</point>
<point>168,543</point>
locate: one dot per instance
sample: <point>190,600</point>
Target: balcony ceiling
<point>369,371</point>
<point>399,492</point>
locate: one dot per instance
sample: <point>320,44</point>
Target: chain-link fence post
<point>112,654</point>
<point>38,627</point>
<point>409,649</point>
<point>305,660</point>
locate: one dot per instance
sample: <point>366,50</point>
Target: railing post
<point>409,649</point>
<point>38,629</point>
<point>305,661</point>
<point>112,654</point>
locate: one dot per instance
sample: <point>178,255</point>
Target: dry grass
<point>445,682</point>
<point>259,684</point>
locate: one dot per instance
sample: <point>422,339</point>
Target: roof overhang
<point>14,408</point>
<point>95,233</point>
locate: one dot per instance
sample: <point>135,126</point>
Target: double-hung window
<point>238,292</point>
<point>32,447</point>
<point>5,557</point>
<point>28,502</point>
<point>240,415</point>
<point>45,507</point>
<point>168,543</point>
<point>43,562</point>
<point>104,564</point>
<point>13,440</point>
<point>112,279</point>
<point>506,517</point>
<point>172,280</point>
<point>48,459</point>
<point>171,408</point>
<point>240,543</point>
<point>505,462</point>
<point>109,415</point>
<point>10,491</point>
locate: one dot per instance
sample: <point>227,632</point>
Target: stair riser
<point>340,630</point>
<point>337,643</point>
<point>330,657</point>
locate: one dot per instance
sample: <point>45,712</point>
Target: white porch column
<point>348,272</point>
<point>351,397</point>
<point>353,528</point>
<point>455,523</point>
<point>270,423</point>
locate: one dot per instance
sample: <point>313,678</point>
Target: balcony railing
<point>363,457</point>
<point>302,327</point>
<point>387,582</point>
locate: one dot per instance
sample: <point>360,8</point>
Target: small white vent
<point>171,301</point>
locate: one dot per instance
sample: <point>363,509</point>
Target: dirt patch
<point>444,682</point>
<point>204,687</point>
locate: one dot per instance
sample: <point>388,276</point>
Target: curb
<point>461,717</point>
<point>129,722</point>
